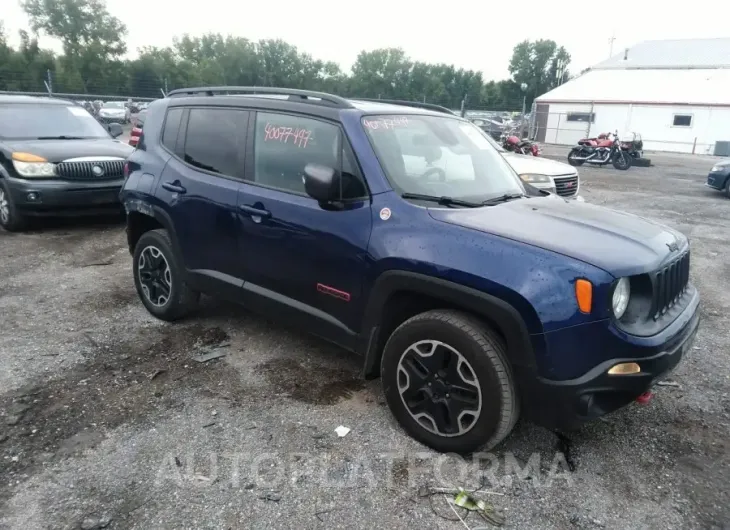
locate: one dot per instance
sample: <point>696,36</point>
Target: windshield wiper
<point>444,201</point>
<point>61,137</point>
<point>503,198</point>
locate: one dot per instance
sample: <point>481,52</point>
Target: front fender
<point>493,309</point>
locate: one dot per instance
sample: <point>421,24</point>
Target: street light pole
<point>523,87</point>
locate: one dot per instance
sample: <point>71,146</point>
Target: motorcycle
<point>513,143</point>
<point>633,144</point>
<point>606,149</point>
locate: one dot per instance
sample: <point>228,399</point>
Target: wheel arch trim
<point>504,315</point>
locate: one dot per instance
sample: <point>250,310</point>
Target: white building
<point>675,93</point>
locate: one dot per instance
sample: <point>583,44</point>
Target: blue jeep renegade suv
<point>397,231</point>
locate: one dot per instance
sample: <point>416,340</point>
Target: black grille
<point>670,283</point>
<point>566,186</point>
<point>111,169</point>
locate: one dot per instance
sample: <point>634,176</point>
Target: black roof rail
<point>294,94</point>
<point>416,104</point>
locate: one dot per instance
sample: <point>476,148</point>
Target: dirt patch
<point>120,383</point>
<point>699,449</point>
<point>120,294</point>
<point>320,385</point>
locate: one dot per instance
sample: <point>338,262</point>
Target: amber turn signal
<point>28,157</point>
<point>584,295</point>
<point>624,369</point>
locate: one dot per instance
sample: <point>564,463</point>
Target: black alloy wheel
<point>160,279</point>
<point>447,381</point>
<point>154,276</point>
<point>438,387</point>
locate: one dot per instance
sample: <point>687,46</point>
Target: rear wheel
<point>448,383</point>
<point>572,157</point>
<point>159,279</point>
<point>622,160</point>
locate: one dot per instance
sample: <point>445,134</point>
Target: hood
<point>534,164</point>
<point>620,243</point>
<point>60,150</point>
<point>112,111</point>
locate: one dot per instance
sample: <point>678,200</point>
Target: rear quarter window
<point>172,127</point>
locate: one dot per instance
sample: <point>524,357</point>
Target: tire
<point>572,161</point>
<point>10,218</point>
<point>727,187</point>
<point>457,337</point>
<point>627,160</point>
<point>179,300</point>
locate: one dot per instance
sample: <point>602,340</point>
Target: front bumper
<point>717,179</point>
<point>570,403</point>
<point>113,119</point>
<point>60,197</point>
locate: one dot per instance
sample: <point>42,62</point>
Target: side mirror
<point>321,183</point>
<point>115,130</point>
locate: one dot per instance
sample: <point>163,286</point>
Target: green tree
<point>91,37</point>
<point>541,65</point>
<point>93,48</point>
<point>383,73</point>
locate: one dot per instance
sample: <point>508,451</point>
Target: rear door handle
<point>174,187</point>
<point>255,212</point>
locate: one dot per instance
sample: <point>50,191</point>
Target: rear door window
<point>216,140</point>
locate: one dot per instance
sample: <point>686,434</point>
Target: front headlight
<point>533,178</point>
<point>621,295</point>
<point>33,166</point>
<point>722,166</point>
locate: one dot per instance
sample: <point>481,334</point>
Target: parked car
<point>474,297</point>
<point>494,126</point>
<point>115,111</point>
<point>543,173</point>
<point>138,123</point>
<point>56,159</point>
<point>719,177</point>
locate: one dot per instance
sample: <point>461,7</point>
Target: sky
<point>471,34</point>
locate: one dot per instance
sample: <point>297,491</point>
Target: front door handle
<point>255,212</point>
<point>174,187</point>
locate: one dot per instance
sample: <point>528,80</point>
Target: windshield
<point>440,156</point>
<point>113,105</point>
<point>41,121</point>
<point>494,144</point>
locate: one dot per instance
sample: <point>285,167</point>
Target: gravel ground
<point>106,420</point>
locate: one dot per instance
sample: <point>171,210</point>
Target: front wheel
<point>10,218</point>
<point>447,381</point>
<point>572,157</point>
<point>622,160</point>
